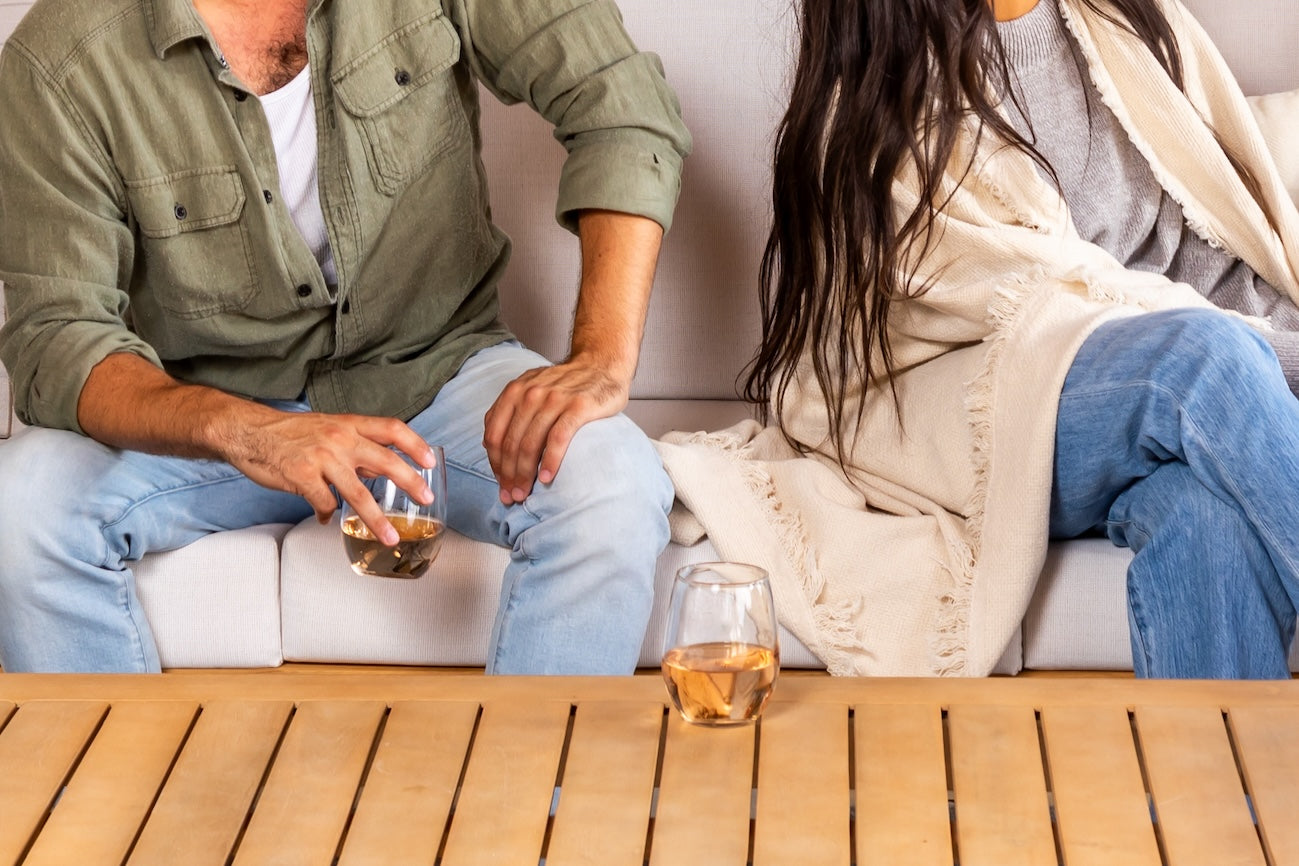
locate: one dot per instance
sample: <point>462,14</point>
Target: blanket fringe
<point>949,645</point>
<point>1195,220</point>
<point>838,624</point>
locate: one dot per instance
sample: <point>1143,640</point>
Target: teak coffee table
<point>371,768</point>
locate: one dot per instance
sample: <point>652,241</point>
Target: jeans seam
<point>179,488</point>
<point>124,602</point>
<point>1137,639</point>
<point>1242,502</point>
<point>470,470</point>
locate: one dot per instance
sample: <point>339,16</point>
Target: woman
<point>984,311</point>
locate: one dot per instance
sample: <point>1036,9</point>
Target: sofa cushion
<point>216,602</point>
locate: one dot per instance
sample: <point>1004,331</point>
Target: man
<point>247,252</point>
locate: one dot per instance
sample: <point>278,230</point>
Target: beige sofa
<point>269,594</point>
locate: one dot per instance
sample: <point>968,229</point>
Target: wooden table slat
<point>38,748</point>
<point>901,781</point>
<point>803,811</point>
<point>711,766</point>
<point>112,790</point>
<point>1002,813</point>
<point>1102,810</point>
<point>304,805</point>
<point>509,784</point>
<point>608,785</point>
<point>1265,742</point>
<point>6,710</point>
<point>1199,802</point>
<point>202,809</point>
<point>403,810</point>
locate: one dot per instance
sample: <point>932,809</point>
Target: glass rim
<point>722,573</point>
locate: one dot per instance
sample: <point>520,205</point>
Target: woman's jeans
<point>1179,438</point>
<point>575,597</point>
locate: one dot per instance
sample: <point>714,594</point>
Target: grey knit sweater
<point>1113,196</point>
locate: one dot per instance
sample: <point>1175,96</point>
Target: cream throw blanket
<point>922,556</point>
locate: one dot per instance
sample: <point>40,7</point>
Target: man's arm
<point>127,402</point>
<point>528,429</point>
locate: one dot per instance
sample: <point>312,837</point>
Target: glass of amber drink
<point>720,655</point>
<point>419,527</point>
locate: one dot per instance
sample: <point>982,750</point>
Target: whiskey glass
<point>420,527</point>
<point>721,655</point>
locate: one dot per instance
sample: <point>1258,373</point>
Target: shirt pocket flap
<point>186,201</point>
<point>397,66</point>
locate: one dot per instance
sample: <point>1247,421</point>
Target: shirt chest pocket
<point>194,256</point>
<point>403,95</point>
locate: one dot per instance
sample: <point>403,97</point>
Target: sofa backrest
<point>729,62</point>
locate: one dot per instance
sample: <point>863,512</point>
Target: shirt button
<point>304,290</point>
<point>240,96</point>
<point>402,77</point>
<point>179,211</point>
<point>266,194</point>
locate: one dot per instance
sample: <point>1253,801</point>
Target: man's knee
<point>612,458</point>
<point>41,474</point>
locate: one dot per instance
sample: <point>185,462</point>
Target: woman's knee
<point>1210,343</point>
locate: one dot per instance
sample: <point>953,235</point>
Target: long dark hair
<point>906,75</point>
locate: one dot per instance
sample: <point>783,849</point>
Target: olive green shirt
<point>139,207</point>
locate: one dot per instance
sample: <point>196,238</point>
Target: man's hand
<point>310,453</point>
<point>127,402</point>
<point>529,427</point>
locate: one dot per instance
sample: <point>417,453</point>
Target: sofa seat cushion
<point>216,603</point>
<point>331,614</point>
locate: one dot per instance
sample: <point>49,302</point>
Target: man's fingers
<point>359,498</point>
<point>390,431</point>
<point>322,501</point>
<point>509,420</point>
<point>561,434</point>
<point>495,424</point>
<point>525,444</point>
<point>389,464</point>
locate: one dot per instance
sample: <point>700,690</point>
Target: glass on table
<point>721,655</point>
<point>419,526</point>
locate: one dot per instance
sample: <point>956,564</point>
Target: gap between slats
<point>63,786</point>
<point>1244,786</point>
<point>163,784</point>
<point>261,784</point>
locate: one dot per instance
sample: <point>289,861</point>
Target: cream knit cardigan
<point>920,558</point>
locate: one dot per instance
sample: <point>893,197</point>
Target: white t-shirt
<point>292,117</point>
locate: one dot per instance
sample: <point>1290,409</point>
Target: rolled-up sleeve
<point>610,104</point>
<point>65,249</point>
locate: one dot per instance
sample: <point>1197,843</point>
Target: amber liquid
<point>720,683</point>
<point>420,538</point>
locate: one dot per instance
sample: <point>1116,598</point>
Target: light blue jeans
<point>1179,438</point>
<point>575,597</point>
